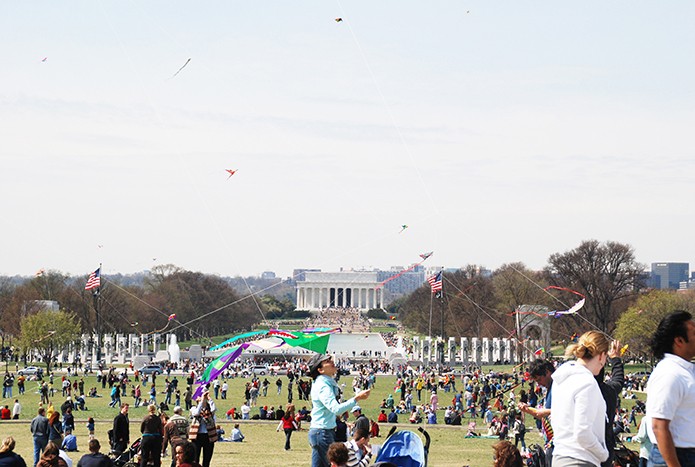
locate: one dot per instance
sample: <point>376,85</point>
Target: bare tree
<point>604,272</point>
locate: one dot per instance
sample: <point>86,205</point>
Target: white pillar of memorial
<point>496,349</point>
<point>485,351</point>
<point>475,350</point>
<point>416,348</point>
<point>84,348</point>
<point>463,351</point>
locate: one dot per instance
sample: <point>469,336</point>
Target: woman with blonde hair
<point>579,410</point>
<point>8,457</point>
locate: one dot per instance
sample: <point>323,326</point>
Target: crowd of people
<point>578,405</point>
<point>349,319</point>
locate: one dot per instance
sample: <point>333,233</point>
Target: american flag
<point>435,281</point>
<point>94,280</point>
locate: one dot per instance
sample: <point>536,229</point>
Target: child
<point>90,428</point>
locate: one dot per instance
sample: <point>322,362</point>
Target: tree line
<point>607,274</point>
<point>205,305</point>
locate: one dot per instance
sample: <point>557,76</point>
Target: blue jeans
<point>39,445</point>
<point>686,457</point>
<point>319,440</point>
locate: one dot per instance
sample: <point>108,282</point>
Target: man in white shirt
<point>671,392</point>
<point>16,410</point>
<point>245,411</point>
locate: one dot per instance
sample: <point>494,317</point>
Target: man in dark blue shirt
<point>94,458</point>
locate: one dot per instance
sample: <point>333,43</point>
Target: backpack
<point>536,456</point>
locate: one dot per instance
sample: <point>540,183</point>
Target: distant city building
<point>34,306</point>
<point>687,285</point>
<point>669,275</point>
<point>299,274</point>
<point>405,284</point>
<point>268,275</point>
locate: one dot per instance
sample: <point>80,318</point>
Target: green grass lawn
<point>263,446</point>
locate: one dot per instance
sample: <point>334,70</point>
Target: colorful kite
<point>573,309</point>
<point>230,172</point>
<point>172,316</point>
<point>403,227</point>
<point>310,341</point>
<point>339,20</point>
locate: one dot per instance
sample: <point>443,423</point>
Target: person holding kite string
<point>325,393</point>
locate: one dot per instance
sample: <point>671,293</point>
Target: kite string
<point>434,206</point>
<point>473,302</point>
<point>161,121</point>
<point>580,316</point>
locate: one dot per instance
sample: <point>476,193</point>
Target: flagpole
<point>429,333</point>
<point>97,309</point>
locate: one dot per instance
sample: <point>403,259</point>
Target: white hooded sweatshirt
<point>578,414</point>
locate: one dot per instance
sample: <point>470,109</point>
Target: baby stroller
<point>130,457</point>
<point>127,458</point>
<point>624,456</point>
<point>404,449</point>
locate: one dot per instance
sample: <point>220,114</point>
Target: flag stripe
<point>94,280</point>
<point>435,282</point>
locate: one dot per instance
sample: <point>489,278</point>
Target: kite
<point>339,20</point>
<point>573,309</point>
<point>539,352</point>
<point>403,227</point>
<point>424,257</point>
<point>44,59</point>
<point>317,342</point>
<point>179,70</point>
<point>40,272</point>
<point>157,331</point>
<point>624,349</point>
<point>230,172</point>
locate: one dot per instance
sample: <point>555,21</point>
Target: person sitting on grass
<point>237,437</point>
<point>70,441</point>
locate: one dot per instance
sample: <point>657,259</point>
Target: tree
<point>637,324</point>
<point>604,273</point>
<point>48,332</point>
<point>514,285</point>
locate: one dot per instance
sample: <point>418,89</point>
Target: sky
<point>497,131</point>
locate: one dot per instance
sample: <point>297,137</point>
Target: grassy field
<point>449,448</point>
<point>263,445</point>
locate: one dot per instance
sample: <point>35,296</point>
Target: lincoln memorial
<point>320,290</point>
